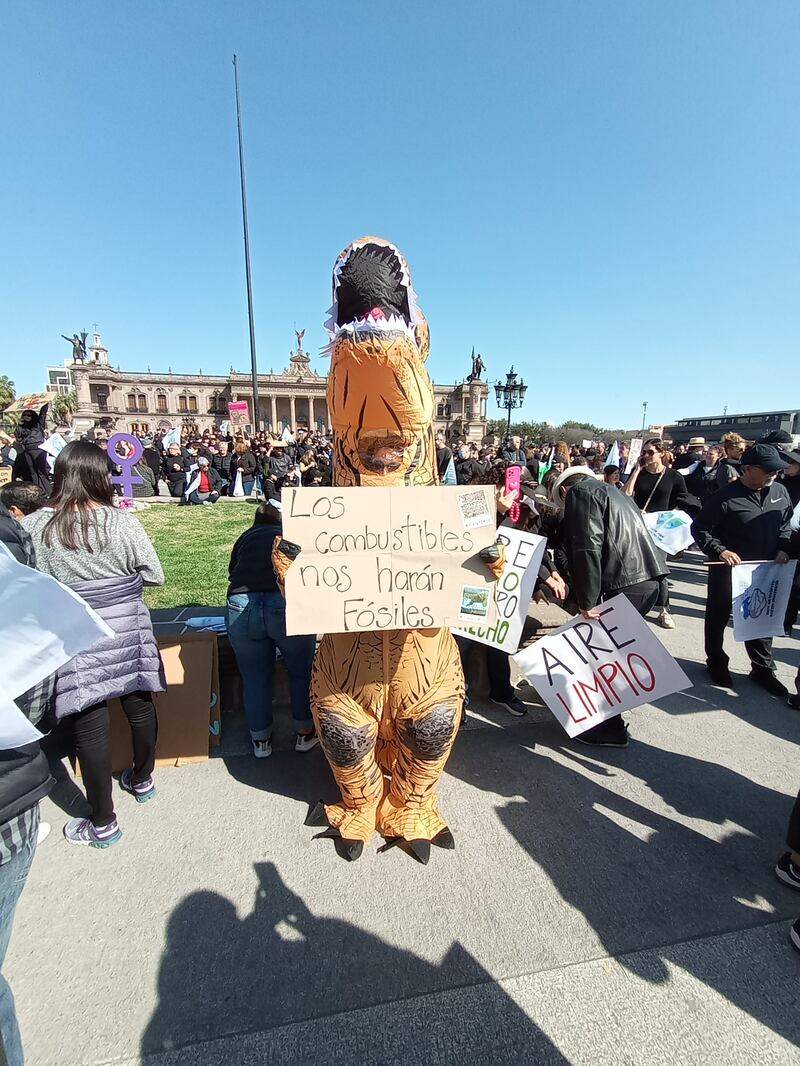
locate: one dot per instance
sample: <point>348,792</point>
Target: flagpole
<point>253,365</point>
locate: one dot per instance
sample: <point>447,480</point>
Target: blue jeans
<point>256,627</point>
<point>12,881</point>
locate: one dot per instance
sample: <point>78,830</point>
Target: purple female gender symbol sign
<point>127,479</point>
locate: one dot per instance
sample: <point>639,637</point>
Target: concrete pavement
<point>600,906</point>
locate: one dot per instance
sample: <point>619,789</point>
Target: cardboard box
<point>189,718</point>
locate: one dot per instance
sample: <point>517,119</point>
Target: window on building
<point>145,427</point>
<point>467,411</point>
<point>161,403</point>
<point>193,405</point>
<point>132,401</point>
<point>141,402</point>
<point>448,410</point>
<point>440,411</point>
<point>102,400</point>
<point>183,404</point>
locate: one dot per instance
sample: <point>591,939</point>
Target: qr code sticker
<point>475,509</point>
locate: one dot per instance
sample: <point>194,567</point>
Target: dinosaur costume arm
<point>284,553</point>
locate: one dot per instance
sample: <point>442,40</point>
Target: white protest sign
<point>669,530</point>
<point>43,624</point>
<point>760,596</point>
<point>513,590</point>
<point>634,452</point>
<point>388,558</point>
<point>591,670</point>
<point>586,444</point>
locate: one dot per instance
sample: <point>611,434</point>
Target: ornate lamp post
<point>510,395</point>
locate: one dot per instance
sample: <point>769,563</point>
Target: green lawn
<point>194,546</point>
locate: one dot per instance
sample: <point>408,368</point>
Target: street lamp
<point>510,395</point>
<point>644,415</point>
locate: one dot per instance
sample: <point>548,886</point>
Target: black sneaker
<point>794,934</point>
<point>787,871</point>
<point>770,683</point>
<point>613,733</point>
<point>794,702</point>
<point>513,704</point>
<point>720,675</point>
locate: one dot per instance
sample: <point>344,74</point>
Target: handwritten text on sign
<point>512,591</point>
<point>388,558</point>
<point>588,671</point>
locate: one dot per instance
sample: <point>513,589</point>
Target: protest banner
<point>591,669</point>
<point>760,597</point>
<point>669,530</point>
<point>634,452</point>
<point>31,401</point>
<point>238,413</point>
<point>5,475</point>
<point>388,558</point>
<point>512,592</point>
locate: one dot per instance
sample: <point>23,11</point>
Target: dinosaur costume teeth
<point>386,705</point>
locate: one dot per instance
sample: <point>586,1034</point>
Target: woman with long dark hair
<point>106,557</point>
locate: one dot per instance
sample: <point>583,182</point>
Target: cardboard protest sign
<point>669,530</point>
<point>760,596</point>
<point>32,401</point>
<point>238,412</point>
<point>590,670</point>
<point>512,592</point>
<point>5,475</point>
<point>634,452</point>
<point>388,558</point>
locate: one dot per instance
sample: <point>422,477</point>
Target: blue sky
<point>604,194</point>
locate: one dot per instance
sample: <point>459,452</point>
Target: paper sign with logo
<point>670,530</point>
<point>238,412</point>
<point>634,452</point>
<point>760,597</point>
<point>590,670</point>
<point>388,558</point>
<point>512,592</point>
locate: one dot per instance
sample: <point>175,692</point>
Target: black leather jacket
<point>606,543</point>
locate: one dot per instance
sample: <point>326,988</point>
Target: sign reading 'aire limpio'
<point>388,558</point>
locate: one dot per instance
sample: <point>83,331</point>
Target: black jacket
<point>606,543</point>
<point>247,463</point>
<point>250,567</point>
<point>222,465</point>
<point>24,773</point>
<point>753,523</point>
<point>175,469</point>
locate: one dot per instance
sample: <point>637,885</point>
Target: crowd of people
<point>744,500</point>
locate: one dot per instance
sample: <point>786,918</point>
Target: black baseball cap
<point>765,456</point>
<point>778,436</point>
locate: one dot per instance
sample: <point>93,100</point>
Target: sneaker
<point>665,619</point>
<point>262,749</point>
<point>306,741</point>
<point>142,792</point>
<point>81,831</point>
<point>513,704</point>
<point>794,934</point>
<point>43,832</point>
<point>787,871</point>
<point>770,683</point>
<point>794,702</point>
<point>720,675</point>
<point>613,733</point>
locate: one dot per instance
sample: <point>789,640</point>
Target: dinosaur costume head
<point>380,396</point>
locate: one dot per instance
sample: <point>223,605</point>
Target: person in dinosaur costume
<point>387,705</point>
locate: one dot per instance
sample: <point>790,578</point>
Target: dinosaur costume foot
<point>345,849</point>
<point>316,815</point>
<point>420,849</point>
<point>444,839</point>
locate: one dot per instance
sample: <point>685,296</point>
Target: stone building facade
<point>121,401</point>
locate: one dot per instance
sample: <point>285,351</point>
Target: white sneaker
<point>306,741</point>
<point>262,749</point>
<point>43,832</point>
<point>665,619</point>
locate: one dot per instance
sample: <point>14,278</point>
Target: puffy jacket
<point>606,543</point>
<point>127,662</point>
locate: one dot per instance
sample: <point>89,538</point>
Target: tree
<point>63,408</point>
<point>8,392</point>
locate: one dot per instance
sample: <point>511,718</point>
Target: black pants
<point>93,749</point>
<point>718,610</point>
<point>793,836</point>
<point>497,667</point>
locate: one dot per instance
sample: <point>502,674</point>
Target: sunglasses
<point>650,452</point>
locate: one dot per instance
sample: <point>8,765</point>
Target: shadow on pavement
<point>641,878</point>
<point>281,964</point>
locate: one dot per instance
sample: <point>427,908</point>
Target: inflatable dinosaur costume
<point>387,705</point>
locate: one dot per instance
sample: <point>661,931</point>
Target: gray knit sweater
<point>120,546</point>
